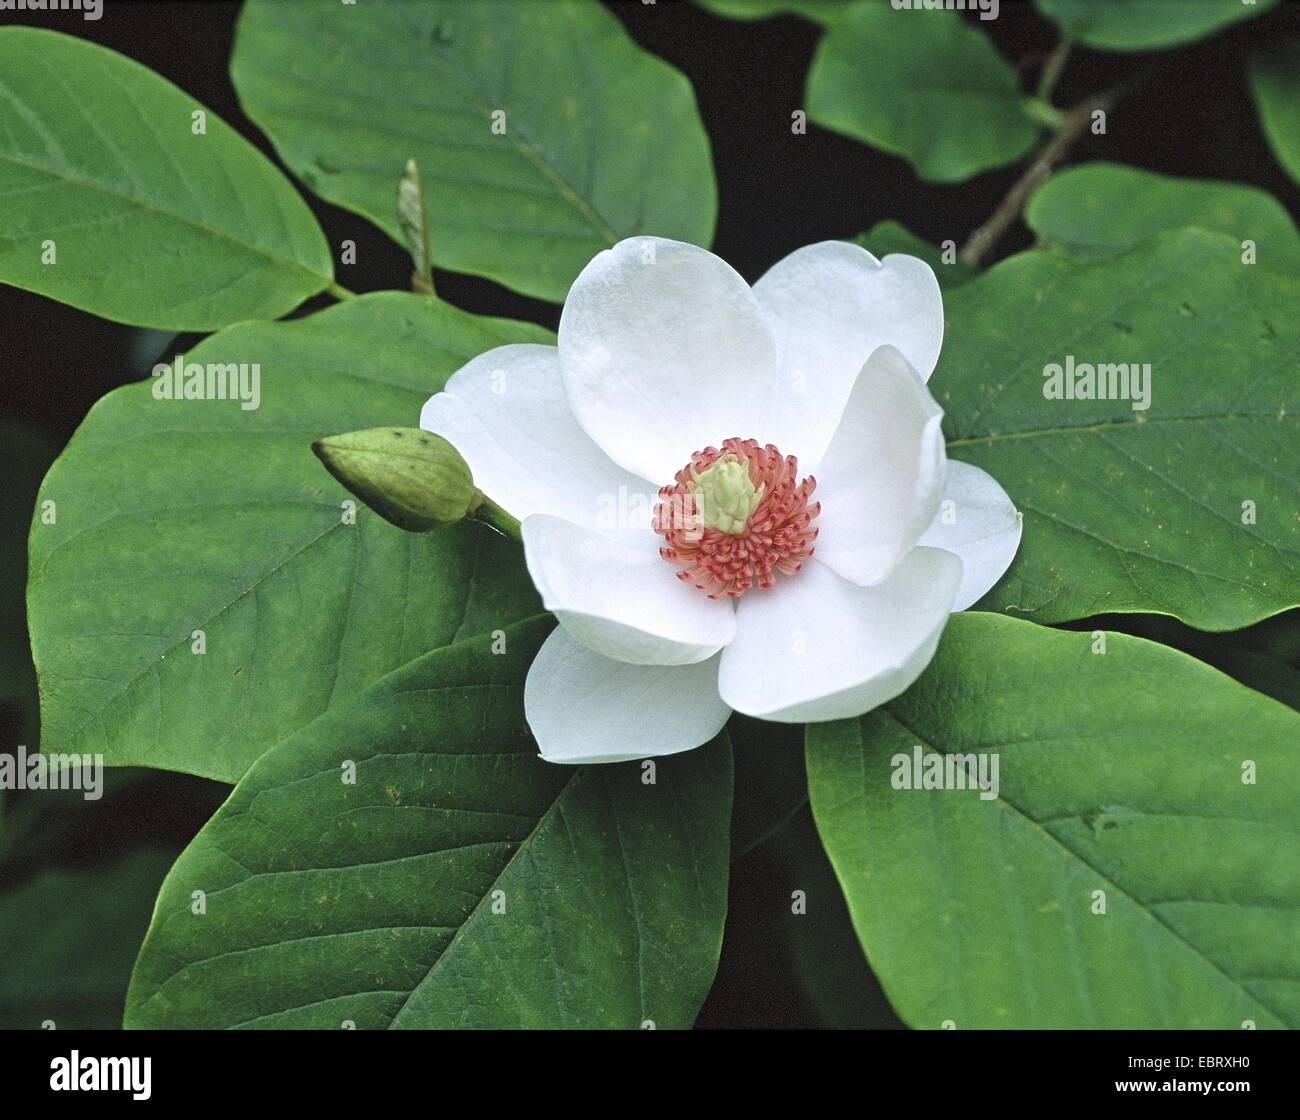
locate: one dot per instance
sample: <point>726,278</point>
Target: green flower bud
<point>412,478</point>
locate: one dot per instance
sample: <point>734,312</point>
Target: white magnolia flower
<point>736,588</point>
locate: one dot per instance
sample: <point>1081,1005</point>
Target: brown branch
<point>1074,123</point>
<point>1049,155</point>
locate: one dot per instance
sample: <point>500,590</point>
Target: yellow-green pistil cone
<point>724,495</point>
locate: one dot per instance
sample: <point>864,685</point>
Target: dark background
<point>777,191</point>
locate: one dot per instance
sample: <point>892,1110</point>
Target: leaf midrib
<point>524,846</point>
<point>155,662</point>
<point>1040,830</point>
<point>527,148</point>
<point>1105,425</point>
<point>185,219</point>
<point>251,875</point>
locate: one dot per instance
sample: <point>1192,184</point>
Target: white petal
<point>881,481</point>
<point>664,352</point>
<point>582,707</point>
<point>619,598</point>
<point>984,531</point>
<point>506,414</point>
<point>831,305</point>
<point>816,647</point>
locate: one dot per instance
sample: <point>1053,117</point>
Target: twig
<point>1052,69</point>
<point>1049,155</point>
<point>1072,126</point>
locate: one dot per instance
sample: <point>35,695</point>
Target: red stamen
<point>778,537</point>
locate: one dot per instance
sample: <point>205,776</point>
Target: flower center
<point>724,494</point>
<point>736,516</point>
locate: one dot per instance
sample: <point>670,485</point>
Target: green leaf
<point>458,882</point>
<point>1144,25</point>
<point>70,936</point>
<point>1119,772</point>
<point>598,140</point>
<point>1275,82</point>
<point>115,205</point>
<point>818,11</point>
<point>925,85</point>
<point>1264,657</point>
<point>1099,209</point>
<point>175,516</point>
<point>890,237</point>
<point>1125,509</point>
